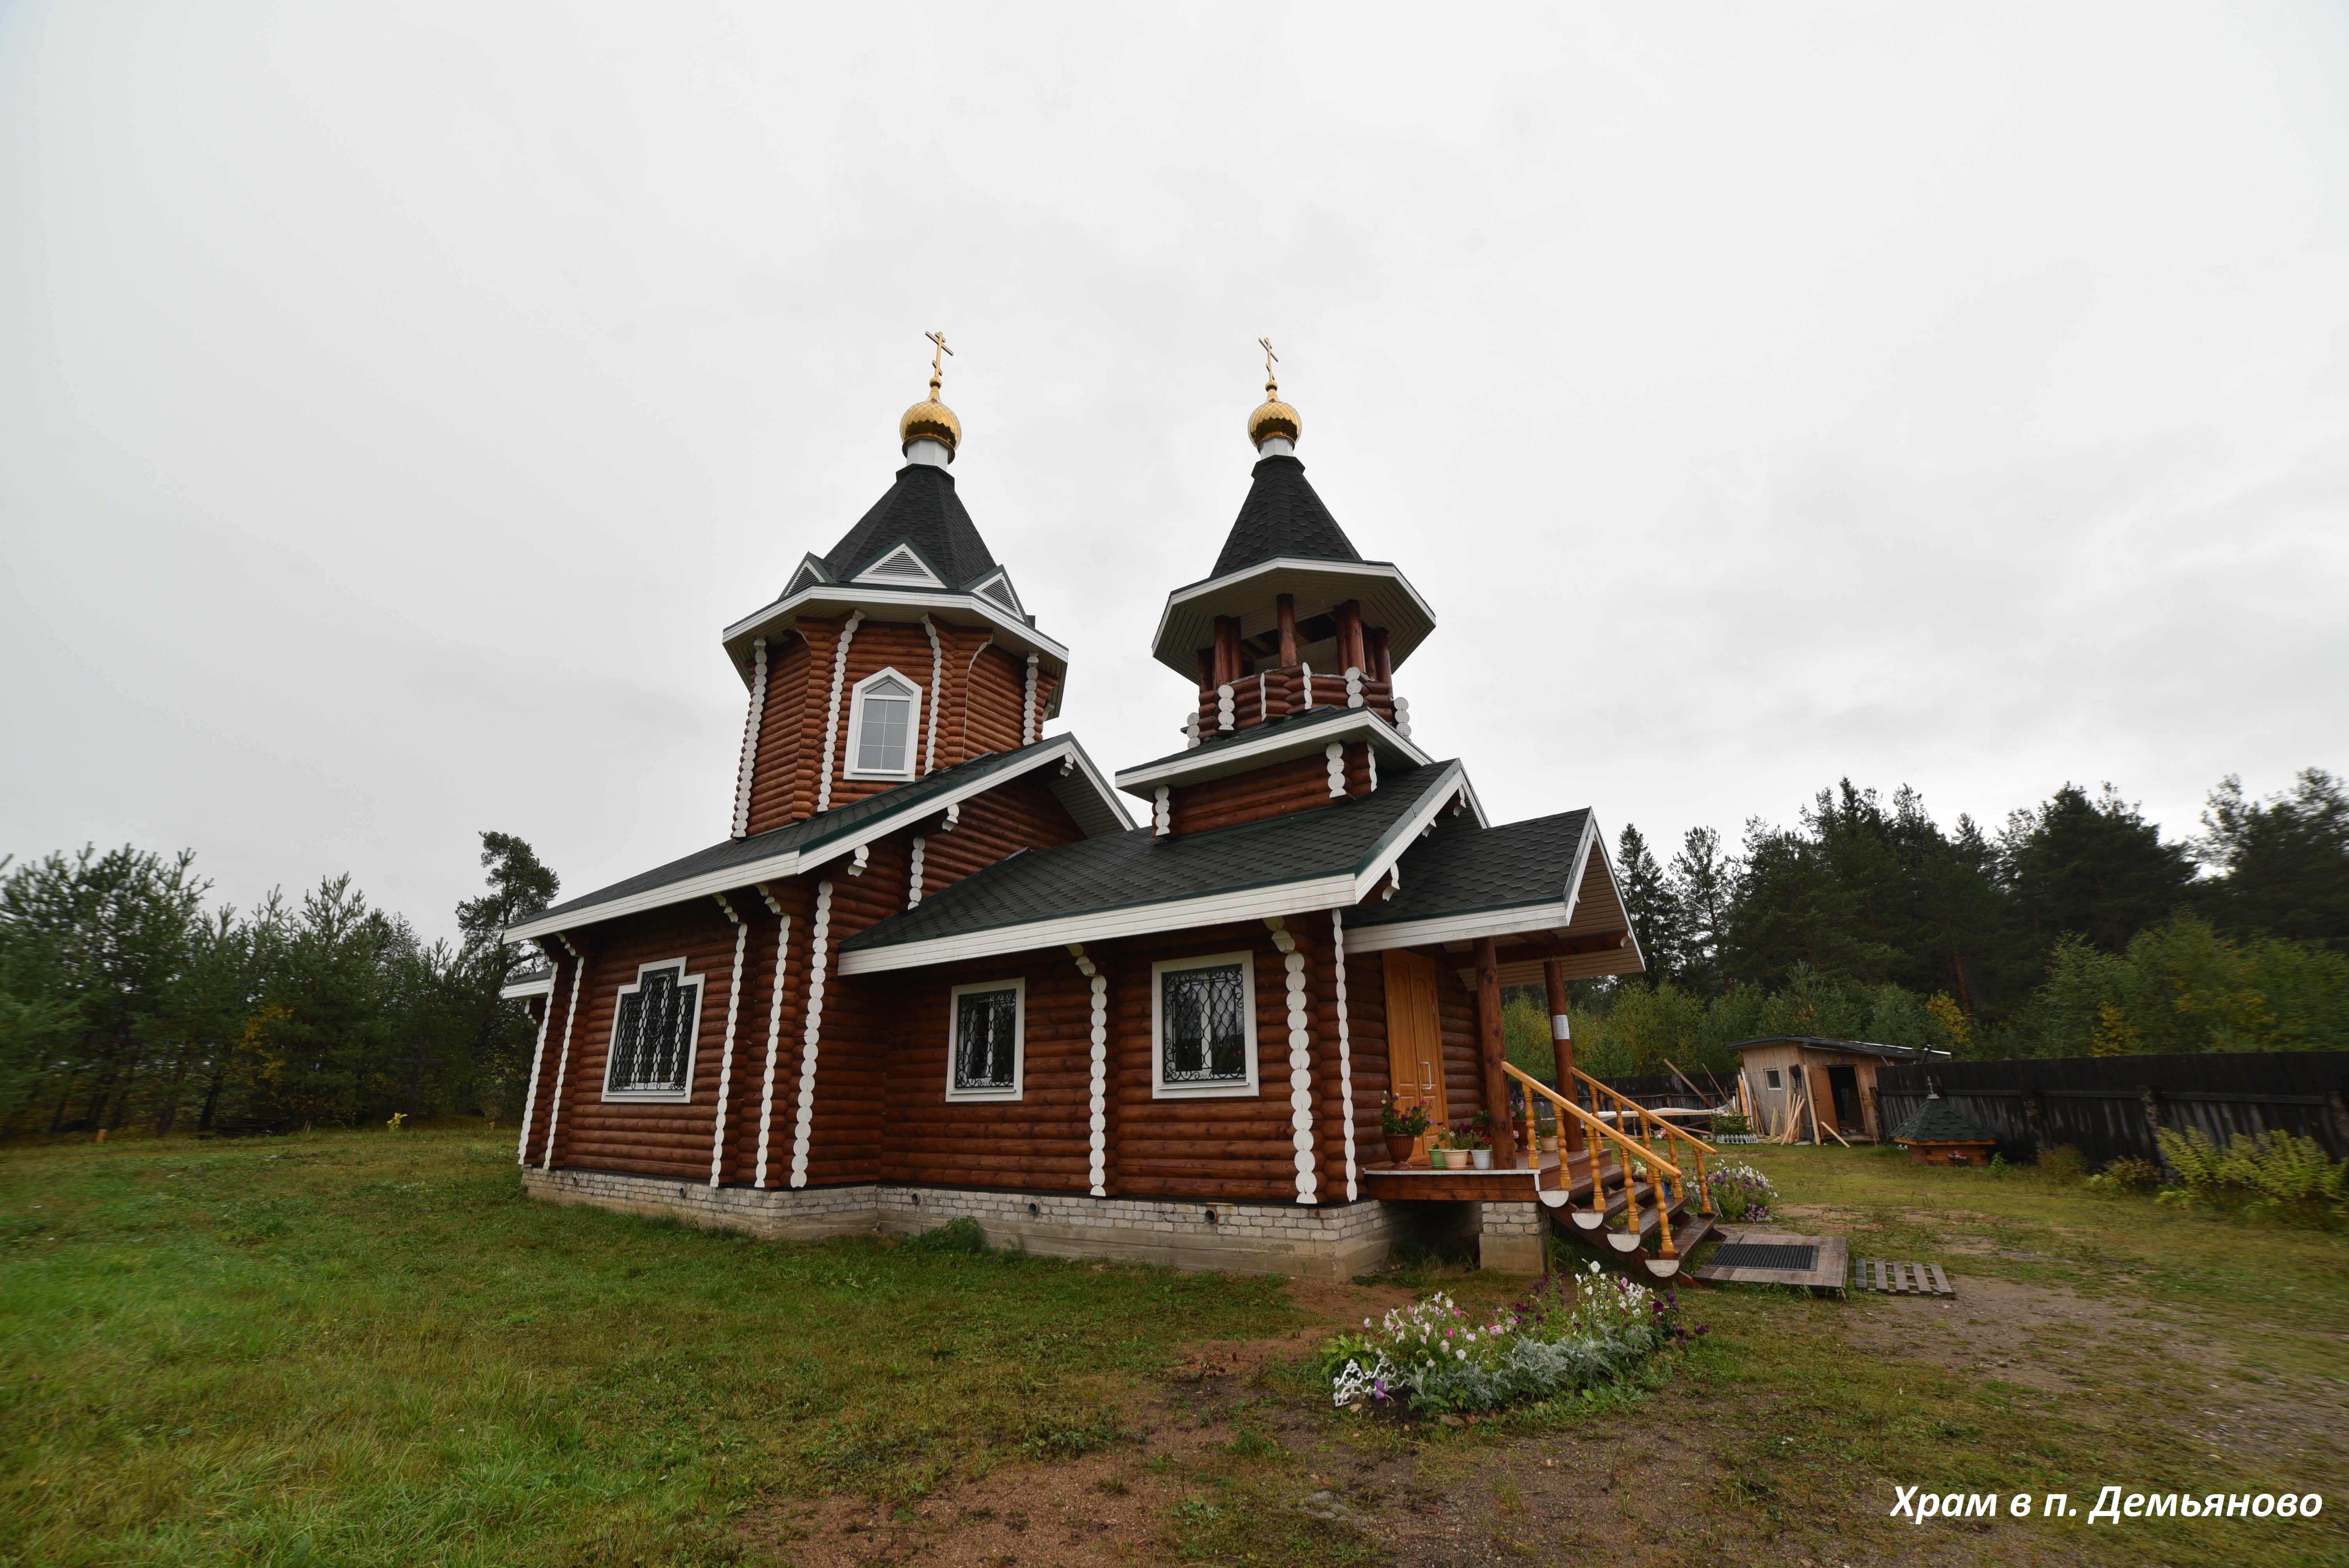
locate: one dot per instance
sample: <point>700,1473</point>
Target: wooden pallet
<point>1900,1279</point>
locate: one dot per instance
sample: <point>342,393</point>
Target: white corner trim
<point>1018,984</point>
<point>692,1042</point>
<point>1028,706</point>
<point>819,948</point>
<point>1230,1090</point>
<point>563,1065</point>
<point>750,737</point>
<point>537,1060</point>
<point>1097,1167</point>
<point>1335,755</point>
<point>1345,1048</point>
<point>1300,1062</point>
<point>831,714</point>
<point>774,1028</point>
<point>937,690</point>
<point>726,1055</point>
<point>857,695</point>
<point>1512,921</point>
<point>1581,863</point>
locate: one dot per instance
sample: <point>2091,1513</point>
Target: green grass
<point>368,1348</point>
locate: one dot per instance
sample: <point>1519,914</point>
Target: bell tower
<point>902,650</point>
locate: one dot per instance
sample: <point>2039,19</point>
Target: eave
<point>1249,750</point>
<point>1388,600</point>
<point>882,601</point>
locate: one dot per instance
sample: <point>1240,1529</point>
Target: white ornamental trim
<point>726,1057</point>
<point>1309,682</point>
<point>913,876</point>
<point>774,1030</point>
<point>1335,755</point>
<point>1100,1100</point>
<point>555,1106</point>
<point>1226,714</point>
<point>1403,716</point>
<point>1345,1046</point>
<point>819,947</point>
<point>937,703</point>
<point>1353,685</point>
<point>1191,730</point>
<point>1162,812</point>
<point>1300,1062</point>
<point>832,714</point>
<point>750,736</point>
<point>1028,706</point>
<point>537,1060</point>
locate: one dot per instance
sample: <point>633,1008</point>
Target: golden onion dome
<point>1273,417</point>
<point>930,420</point>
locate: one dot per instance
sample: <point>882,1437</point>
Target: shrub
<point>955,1238</point>
<point>2274,1173</point>
<point>1725,1124</point>
<point>2064,1163</point>
<point>1740,1193</point>
<point>1435,1358</point>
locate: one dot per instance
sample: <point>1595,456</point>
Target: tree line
<point>126,1003</point>
<point>2075,929</point>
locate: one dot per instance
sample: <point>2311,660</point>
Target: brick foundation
<point>1327,1241</point>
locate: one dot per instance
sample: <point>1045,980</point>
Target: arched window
<point>884,721</point>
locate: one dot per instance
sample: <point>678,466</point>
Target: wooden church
<point>937,970</point>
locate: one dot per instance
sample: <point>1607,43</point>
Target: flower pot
<point>1549,1143</point>
<point>1439,1159</point>
<point>1483,1158</point>
<point>1398,1148</point>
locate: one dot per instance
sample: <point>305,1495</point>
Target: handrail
<point>1644,1118</point>
<point>1625,1151</point>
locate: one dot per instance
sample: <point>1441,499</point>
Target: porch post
<point>1488,1034</point>
<point>1561,1038</point>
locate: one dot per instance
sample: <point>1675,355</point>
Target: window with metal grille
<point>987,1039</point>
<point>882,719</point>
<point>1203,1017</point>
<point>652,1035</point>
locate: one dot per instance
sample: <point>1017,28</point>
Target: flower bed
<point>1740,1194</point>
<point>1432,1357</point>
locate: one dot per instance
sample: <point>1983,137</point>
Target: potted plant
<point>1440,1151</point>
<point>1405,1126</point>
<point>1470,1138</point>
<point>1521,1119</point>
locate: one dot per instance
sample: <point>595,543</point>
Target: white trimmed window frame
<point>692,1037</point>
<point>1018,988</point>
<point>856,727</point>
<point>1773,1080</point>
<point>1228,1089</point>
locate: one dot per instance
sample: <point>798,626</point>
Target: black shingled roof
<point>1937,1121</point>
<point>1461,868</point>
<point>1125,869</point>
<point>1282,516</point>
<point>809,833</point>
<point>923,508</point>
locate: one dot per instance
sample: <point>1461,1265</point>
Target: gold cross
<point>940,339</point>
<point>1271,358</point>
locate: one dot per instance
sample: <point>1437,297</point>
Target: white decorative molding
<point>1253,748</point>
<point>563,1065</point>
<point>913,875</point>
<point>1191,730</point>
<point>1345,1046</point>
<point>1394,881</point>
<point>1028,706</point>
<point>953,815</point>
<point>1308,670</point>
<point>1353,687</point>
<point>537,1060</point>
<point>851,765</point>
<point>1335,755</point>
<point>859,859</point>
<point>819,949</point>
<point>725,1054</point>
<point>750,736</point>
<point>937,675</point>
<point>1300,1062</point>
<point>1403,716</point>
<point>831,714</point>
<point>1099,1166</point>
<point>902,566</point>
<point>1263,703</point>
<point>774,1029</point>
<point>1225,714</point>
<point>1162,812</point>
<point>1371,756</point>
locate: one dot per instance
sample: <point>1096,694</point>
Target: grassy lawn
<point>362,1349</point>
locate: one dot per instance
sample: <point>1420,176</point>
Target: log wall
<point>1301,784</point>
<point>1279,691</point>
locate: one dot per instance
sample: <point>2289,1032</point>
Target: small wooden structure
<point>1939,1135</point>
<point>1900,1279</point>
<point>1802,1089</point>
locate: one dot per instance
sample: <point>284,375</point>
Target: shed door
<point>1415,1036</point>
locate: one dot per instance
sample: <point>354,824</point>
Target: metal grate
<point>1204,1013</point>
<point>1765,1256</point>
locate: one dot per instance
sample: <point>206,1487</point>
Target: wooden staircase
<point>1605,1231</point>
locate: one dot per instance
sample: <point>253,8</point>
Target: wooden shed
<point>1821,1088</point>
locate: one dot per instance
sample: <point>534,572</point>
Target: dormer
<point>902,566</point>
<point>995,586</point>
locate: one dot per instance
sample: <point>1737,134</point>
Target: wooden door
<point>1414,1037</point>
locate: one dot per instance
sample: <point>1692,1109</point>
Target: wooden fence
<point>2108,1107</point>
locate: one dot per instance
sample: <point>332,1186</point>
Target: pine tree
<point>1648,903</point>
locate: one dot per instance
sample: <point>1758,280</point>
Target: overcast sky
<point>395,401</point>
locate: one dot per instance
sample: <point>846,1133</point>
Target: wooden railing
<point>1625,1152</point>
<point>1649,1125</point>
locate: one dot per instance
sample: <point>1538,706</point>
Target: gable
<point>996,588</point>
<point>901,565</point>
